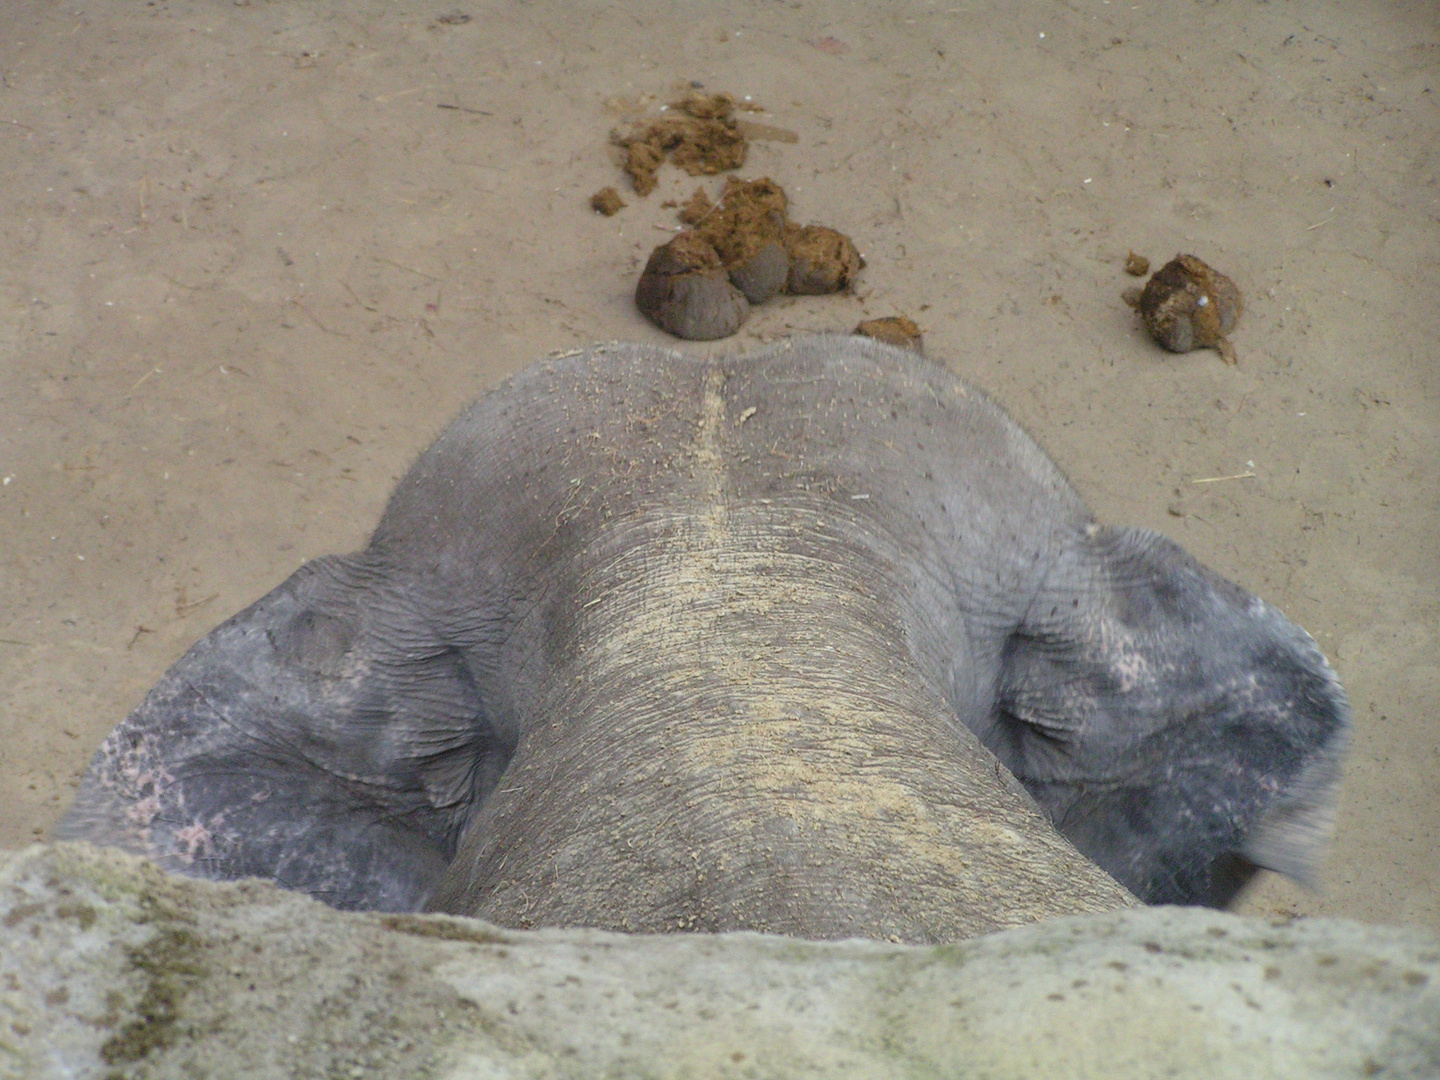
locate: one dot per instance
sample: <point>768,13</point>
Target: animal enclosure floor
<point>253,255</point>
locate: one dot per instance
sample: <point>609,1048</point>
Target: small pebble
<point>607,201</point>
<point>896,330</point>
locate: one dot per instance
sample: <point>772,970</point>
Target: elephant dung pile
<point>740,251</point>
<point>1187,304</point>
<point>110,968</point>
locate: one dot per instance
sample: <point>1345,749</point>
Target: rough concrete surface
<point>109,968</point>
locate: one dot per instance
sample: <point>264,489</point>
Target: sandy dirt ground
<point>254,255</point>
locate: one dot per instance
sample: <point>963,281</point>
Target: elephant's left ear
<point>1178,730</point>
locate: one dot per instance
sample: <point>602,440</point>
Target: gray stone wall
<point>109,968</point>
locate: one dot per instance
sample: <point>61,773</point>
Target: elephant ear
<point>1178,730</point>
<point>323,738</point>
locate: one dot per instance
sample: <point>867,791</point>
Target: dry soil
<point>253,255</point>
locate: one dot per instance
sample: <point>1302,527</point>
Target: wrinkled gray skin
<point>650,642</point>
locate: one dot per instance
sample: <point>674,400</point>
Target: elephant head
<point>815,641</point>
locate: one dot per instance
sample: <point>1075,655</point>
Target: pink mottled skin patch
<point>150,780</point>
<point>135,775</point>
<point>143,811</point>
<point>137,767</point>
<point>192,841</point>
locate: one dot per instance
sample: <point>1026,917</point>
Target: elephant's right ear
<point>1178,730</point>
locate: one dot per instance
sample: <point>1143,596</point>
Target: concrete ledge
<point>109,968</point>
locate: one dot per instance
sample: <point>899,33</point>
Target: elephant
<point>814,641</point>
